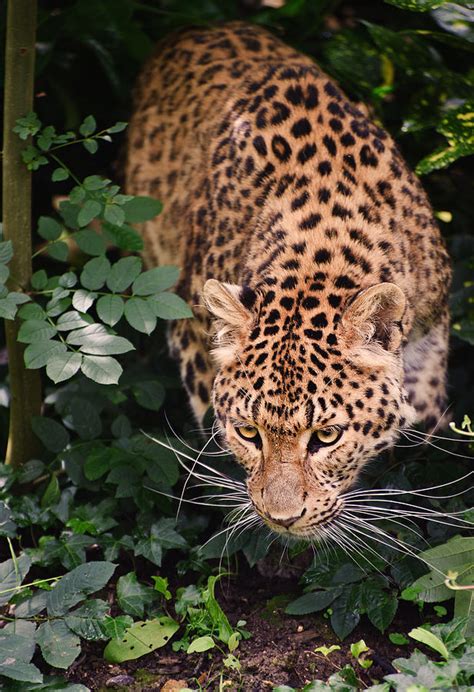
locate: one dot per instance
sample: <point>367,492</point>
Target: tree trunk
<point>25,385</point>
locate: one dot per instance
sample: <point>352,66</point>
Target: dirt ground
<point>280,651</point>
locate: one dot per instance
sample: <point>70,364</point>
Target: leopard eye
<point>323,438</point>
<point>249,433</point>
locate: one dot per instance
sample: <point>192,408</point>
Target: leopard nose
<point>285,522</point>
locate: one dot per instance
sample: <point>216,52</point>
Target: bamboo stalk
<point>25,385</point>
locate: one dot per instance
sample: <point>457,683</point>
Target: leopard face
<point>306,395</point>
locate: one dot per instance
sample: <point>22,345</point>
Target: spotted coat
<point>325,269</point>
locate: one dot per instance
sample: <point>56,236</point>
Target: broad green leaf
<point>7,525</point>
<point>52,493</point>
<point>84,419</point>
<point>32,606</point>
<point>398,639</point>
<point>4,273</point>
<point>39,280</point>
<point>58,250</point>
<point>71,320</point>
<point>201,644</point>
<point>416,5</point>
<point>32,311</point>
<point>101,369</point>
<point>121,427</point>
<point>95,273</point>
<point>123,273</point>
<point>132,596</point>
<point>114,214</point>
<point>87,620</point>
<point>118,127</point>
<point>33,331</point>
<point>52,434</point>
<point>6,251</point>
<point>49,228</point>
<point>59,646</point>
<point>82,300</point>
<point>8,308</point>
<point>59,174</point>
<point>124,237</point>
<point>110,309</point>
<point>68,280</point>
<point>91,145</point>
<point>346,611</point>
<point>95,340</point>
<point>88,126</point>
<point>150,394</point>
<point>90,242</point>
<point>380,606</point>
<point>40,353</point>
<point>430,639</point>
<point>12,574</point>
<point>455,555</point>
<point>16,652</point>
<point>464,608</point>
<point>140,639</point>
<point>141,209</point>
<point>169,306</point>
<point>139,315</point>
<point>115,628</point>
<point>312,602</point>
<point>155,280</point>
<point>458,128</point>
<point>63,366</point>
<point>97,463</point>
<point>95,182</point>
<point>77,584</point>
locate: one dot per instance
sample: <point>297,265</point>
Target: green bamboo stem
<point>25,385</point>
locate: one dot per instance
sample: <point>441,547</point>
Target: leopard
<point>311,258</point>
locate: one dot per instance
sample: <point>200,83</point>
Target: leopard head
<point>307,391</point>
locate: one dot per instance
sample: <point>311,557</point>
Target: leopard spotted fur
<point>300,229</point>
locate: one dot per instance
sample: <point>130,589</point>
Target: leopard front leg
<point>425,364</point>
<point>188,346</point>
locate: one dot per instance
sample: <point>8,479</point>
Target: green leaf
<point>201,644</point>
<point>150,394</point>
<point>52,493</point>
<point>12,574</point>
<point>15,654</point>
<point>358,648</point>
<point>416,5</point>
<point>430,639</point>
<point>97,463</point>
<point>39,354</point>
<point>110,309</point>
<point>155,280</point>
<point>59,646</point>
<point>455,555</point>
<point>114,214</point>
<point>124,237</point>
<point>88,126</point>
<point>6,251</point>
<point>312,602</point>
<point>35,330</point>
<point>58,251</point>
<point>162,537</point>
<point>68,280</point>
<point>7,526</point>
<point>121,427</point>
<point>32,311</point>
<point>458,128</point>
<point>169,306</point>
<point>132,596</point>
<point>49,228</point>
<point>380,605</point>
<point>398,639</point>
<point>4,273</point>
<point>140,639</point>
<point>139,315</point>
<point>95,273</point>
<point>141,209</point>
<point>346,611</point>
<point>95,340</point>
<point>71,320</point>
<point>84,419</point>
<point>59,174</point>
<point>53,435</point>
<point>77,584</point>
<point>123,274</point>
<point>115,627</point>
<point>90,242</point>
<point>87,620</point>
<point>39,280</point>
<point>82,300</point>
<point>91,145</point>
<point>161,585</point>
<point>327,650</point>
<point>118,127</point>
<point>95,182</point>
<point>101,369</point>
<point>89,211</point>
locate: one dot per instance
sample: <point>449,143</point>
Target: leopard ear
<point>229,302</point>
<point>373,318</point>
<point>234,308</point>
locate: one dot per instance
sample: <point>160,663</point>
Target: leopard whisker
<point>417,441</point>
<point>420,491</point>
